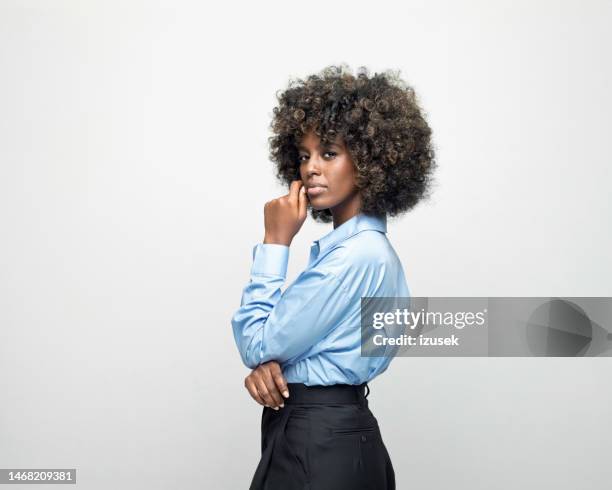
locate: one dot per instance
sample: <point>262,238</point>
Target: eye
<point>301,157</point>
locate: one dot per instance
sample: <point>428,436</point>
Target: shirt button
<point>364,438</point>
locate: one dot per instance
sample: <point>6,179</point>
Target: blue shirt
<point>313,328</point>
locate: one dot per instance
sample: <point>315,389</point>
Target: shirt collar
<point>350,227</point>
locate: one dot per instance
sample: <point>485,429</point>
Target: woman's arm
<point>271,325</point>
<point>283,218</point>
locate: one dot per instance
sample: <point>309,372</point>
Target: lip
<point>315,190</point>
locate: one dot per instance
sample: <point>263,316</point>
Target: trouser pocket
<point>353,430</point>
<point>369,454</point>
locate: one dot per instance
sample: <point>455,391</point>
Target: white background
<point>133,173</point>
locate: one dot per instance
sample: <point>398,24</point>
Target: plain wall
<point>133,173</point>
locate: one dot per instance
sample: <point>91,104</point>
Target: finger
<point>294,190</point>
<point>302,203</point>
<point>265,394</point>
<point>279,380</point>
<point>252,389</point>
<point>272,388</point>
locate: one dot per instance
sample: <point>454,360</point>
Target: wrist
<point>277,240</point>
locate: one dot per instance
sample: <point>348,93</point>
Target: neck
<point>346,209</point>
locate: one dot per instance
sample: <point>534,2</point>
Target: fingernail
<point>275,408</point>
<point>286,394</point>
<point>282,405</point>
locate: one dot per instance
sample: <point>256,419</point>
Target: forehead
<point>311,140</point>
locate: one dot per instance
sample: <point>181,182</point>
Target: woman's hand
<point>284,216</point>
<point>267,385</point>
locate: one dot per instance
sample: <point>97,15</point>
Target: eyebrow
<point>300,147</point>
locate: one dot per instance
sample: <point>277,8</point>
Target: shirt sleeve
<point>270,325</point>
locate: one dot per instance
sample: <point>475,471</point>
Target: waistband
<point>300,393</point>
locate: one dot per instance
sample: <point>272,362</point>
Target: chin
<point>319,205</point>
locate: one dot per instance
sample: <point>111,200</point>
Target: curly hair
<point>382,126</point>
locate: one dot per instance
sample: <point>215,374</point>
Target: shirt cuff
<point>270,259</point>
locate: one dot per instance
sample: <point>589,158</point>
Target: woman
<point>355,149</point>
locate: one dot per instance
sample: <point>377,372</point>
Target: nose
<point>312,166</point>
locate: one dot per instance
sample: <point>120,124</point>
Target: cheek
<point>345,177</point>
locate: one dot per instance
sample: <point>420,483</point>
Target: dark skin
<point>328,181</point>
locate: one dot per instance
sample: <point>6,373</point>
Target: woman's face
<point>327,173</point>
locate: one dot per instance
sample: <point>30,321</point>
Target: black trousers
<point>325,438</point>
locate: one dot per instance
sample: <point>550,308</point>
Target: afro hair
<point>381,123</point>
